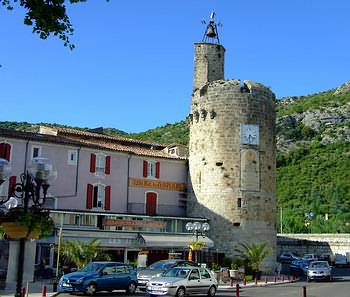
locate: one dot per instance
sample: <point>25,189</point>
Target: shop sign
<point>134,223</point>
<point>156,184</point>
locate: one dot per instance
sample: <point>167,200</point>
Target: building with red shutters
<point>131,195</point>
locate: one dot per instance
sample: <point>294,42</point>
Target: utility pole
<point>281,220</point>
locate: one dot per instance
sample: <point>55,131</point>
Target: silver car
<point>319,270</point>
<point>156,269</point>
<point>181,281</point>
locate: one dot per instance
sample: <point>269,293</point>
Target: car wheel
<point>131,288</point>
<point>212,291</point>
<point>91,289</point>
<point>180,292</point>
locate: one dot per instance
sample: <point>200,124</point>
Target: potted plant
<point>197,245</point>
<point>234,270</point>
<point>31,224</point>
<point>255,254</point>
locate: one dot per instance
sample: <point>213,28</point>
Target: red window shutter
<point>8,152</point>
<point>2,150</point>
<point>157,169</point>
<point>12,182</point>
<point>108,165</point>
<point>89,193</point>
<point>108,198</point>
<point>145,168</point>
<point>151,204</point>
<point>93,163</point>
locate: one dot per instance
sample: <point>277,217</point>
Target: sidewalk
<point>34,289</point>
<point>265,281</point>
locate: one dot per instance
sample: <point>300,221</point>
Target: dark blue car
<point>100,276</point>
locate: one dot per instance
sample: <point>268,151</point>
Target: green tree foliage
<point>169,134</point>
<point>315,179</point>
<point>46,17</point>
<point>80,254</point>
<point>314,101</point>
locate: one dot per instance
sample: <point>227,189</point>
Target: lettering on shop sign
<point>156,184</point>
<point>132,223</point>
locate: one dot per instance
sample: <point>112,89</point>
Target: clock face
<point>250,134</point>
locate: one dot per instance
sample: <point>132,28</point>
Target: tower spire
<point>211,31</point>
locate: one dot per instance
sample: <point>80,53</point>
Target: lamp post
<point>31,190</point>
<point>198,229</point>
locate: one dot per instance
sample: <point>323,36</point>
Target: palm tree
<point>255,254</point>
<point>79,253</point>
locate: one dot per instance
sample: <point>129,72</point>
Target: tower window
<point>239,202</point>
<point>36,151</point>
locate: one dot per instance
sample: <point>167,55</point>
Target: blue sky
<point>133,63</point>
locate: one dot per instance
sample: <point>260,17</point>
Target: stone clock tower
<point>232,153</point>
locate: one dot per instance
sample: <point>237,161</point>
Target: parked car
<point>299,267</point>
<point>100,276</point>
<point>157,268</point>
<point>319,270</point>
<point>340,259</point>
<point>287,257</point>
<point>311,257</point>
<point>181,281</point>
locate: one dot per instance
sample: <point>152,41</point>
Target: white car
<point>319,270</point>
<point>181,281</point>
<point>310,257</point>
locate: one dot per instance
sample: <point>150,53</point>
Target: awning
<point>172,241</point>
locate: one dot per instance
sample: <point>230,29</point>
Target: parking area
<point>337,288</point>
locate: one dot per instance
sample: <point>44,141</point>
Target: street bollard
<point>274,279</point>
<point>244,281</point>
<point>43,291</point>
<point>304,291</point>
<point>282,278</point>
<point>23,292</point>
<point>256,280</point>
<point>237,290</point>
<point>54,286</point>
<point>231,281</point>
<point>266,280</point>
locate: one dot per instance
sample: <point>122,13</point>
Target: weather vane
<point>211,31</point>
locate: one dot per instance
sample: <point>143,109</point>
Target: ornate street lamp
<point>197,229</point>
<point>32,191</point>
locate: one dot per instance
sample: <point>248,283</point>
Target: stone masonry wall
<point>313,243</point>
<point>208,63</point>
<point>236,215</point>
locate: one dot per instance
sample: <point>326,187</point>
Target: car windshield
<point>162,265</point>
<point>92,267</point>
<point>319,265</point>
<point>177,272</point>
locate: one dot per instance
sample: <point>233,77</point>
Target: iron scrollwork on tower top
<point>211,32</point>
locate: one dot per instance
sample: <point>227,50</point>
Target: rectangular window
<point>72,157</point>
<point>151,169</point>
<point>98,196</point>
<point>100,163</point>
<point>239,202</point>
<point>36,151</point>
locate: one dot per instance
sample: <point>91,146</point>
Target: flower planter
<point>15,230</point>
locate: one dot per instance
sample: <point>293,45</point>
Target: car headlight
<point>158,274</point>
<point>168,284</point>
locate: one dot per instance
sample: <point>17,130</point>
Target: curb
<point>241,286</point>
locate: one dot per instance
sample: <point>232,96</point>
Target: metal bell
<point>210,31</point>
